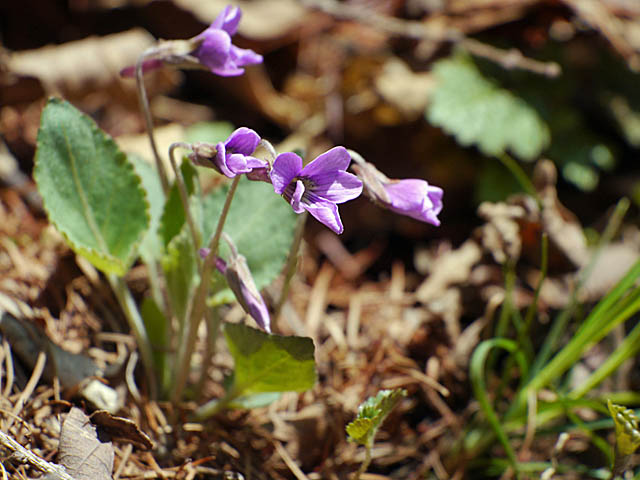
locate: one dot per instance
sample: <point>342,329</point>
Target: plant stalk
<point>290,269</point>
<point>365,464</point>
<point>184,194</point>
<point>128,305</point>
<point>146,111</point>
<point>198,305</point>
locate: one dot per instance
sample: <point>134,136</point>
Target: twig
<point>23,455</point>
<point>29,388</point>
<point>123,461</point>
<point>299,474</point>
<point>508,59</point>
<point>8,358</point>
<point>129,377</point>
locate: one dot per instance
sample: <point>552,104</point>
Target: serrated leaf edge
<point>121,266</point>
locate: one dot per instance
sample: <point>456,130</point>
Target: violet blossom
<point>319,186</point>
<point>412,197</point>
<point>231,157</point>
<point>211,50</point>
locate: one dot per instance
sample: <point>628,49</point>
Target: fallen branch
<point>508,59</point>
<point>21,454</point>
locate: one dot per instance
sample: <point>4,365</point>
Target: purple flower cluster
<point>317,188</point>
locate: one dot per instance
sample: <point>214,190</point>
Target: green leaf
<point>478,112</point>
<point>255,401</point>
<point>157,328</point>
<point>210,132</point>
<point>260,224</point>
<point>181,272</point>
<point>371,414</point>
<point>90,191</point>
<point>151,247</point>
<point>173,216</point>
<point>269,363</point>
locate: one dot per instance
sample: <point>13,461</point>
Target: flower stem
<point>214,406</point>
<point>292,262</point>
<point>521,177</point>
<point>198,304</point>
<point>184,195</point>
<point>128,305</point>
<point>365,464</point>
<point>212,316</point>
<point>146,111</point>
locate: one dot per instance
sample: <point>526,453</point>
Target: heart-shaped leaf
<point>269,363</point>
<point>90,191</point>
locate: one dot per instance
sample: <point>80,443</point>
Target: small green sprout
<point>371,414</point>
<point>627,436</point>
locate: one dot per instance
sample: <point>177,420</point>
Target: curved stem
<point>212,316</point>
<point>184,195</point>
<point>128,305</point>
<point>292,262</point>
<point>520,175</point>
<point>214,406</point>
<point>198,304</point>
<point>365,464</point>
<point>146,111</point>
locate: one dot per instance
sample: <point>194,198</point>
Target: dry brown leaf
<point>451,268</point>
<point>501,234</point>
<point>404,89</point>
<point>121,429</point>
<point>81,452</point>
<point>139,144</point>
<point>89,64</point>
<point>261,19</point>
<point>611,265</point>
<point>562,226</point>
<point>76,372</point>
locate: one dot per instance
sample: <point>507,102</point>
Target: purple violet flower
<point>216,51</point>
<point>241,283</point>
<point>231,157</point>
<point>412,197</point>
<point>319,186</point>
<point>211,50</point>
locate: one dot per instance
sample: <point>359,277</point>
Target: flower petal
<point>337,187</point>
<point>241,282</point>
<point>213,52</point>
<point>244,56</point>
<point>334,160</point>
<point>254,162</point>
<point>243,140</point>
<point>221,161</point>
<point>411,197</point>
<point>285,168</point>
<point>237,163</point>
<point>228,20</point>
<point>296,197</point>
<point>327,213</point>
